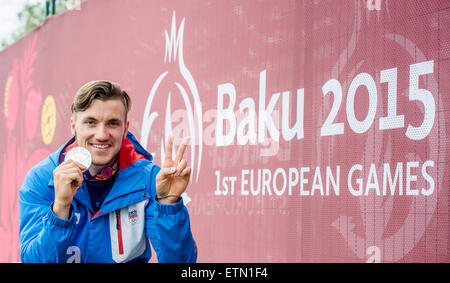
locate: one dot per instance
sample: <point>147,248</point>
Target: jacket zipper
<point>119,232</point>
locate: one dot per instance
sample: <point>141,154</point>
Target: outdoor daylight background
<point>319,129</point>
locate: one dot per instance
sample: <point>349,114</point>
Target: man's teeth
<point>100,145</point>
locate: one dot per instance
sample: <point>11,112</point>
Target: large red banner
<point>319,129</point>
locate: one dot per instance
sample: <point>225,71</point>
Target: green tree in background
<point>32,16</point>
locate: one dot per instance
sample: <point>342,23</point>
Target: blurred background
<point>17,17</point>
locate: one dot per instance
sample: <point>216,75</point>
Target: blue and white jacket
<point>119,231</point>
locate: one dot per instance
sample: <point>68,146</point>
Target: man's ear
<point>72,124</point>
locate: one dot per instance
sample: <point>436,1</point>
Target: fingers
<point>74,176</point>
<point>180,170</point>
<point>181,149</point>
<point>81,166</point>
<point>186,172</point>
<point>71,172</point>
<point>72,163</point>
<point>167,171</point>
<point>77,179</point>
<point>68,177</point>
<point>181,166</point>
<point>168,150</point>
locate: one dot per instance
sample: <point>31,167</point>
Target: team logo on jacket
<point>132,216</point>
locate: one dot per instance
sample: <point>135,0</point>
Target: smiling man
<point>109,211</point>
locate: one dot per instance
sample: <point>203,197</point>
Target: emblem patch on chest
<point>132,216</point>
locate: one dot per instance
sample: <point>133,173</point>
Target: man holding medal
<point>100,198</point>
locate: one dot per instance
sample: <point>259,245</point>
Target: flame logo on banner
<point>189,93</point>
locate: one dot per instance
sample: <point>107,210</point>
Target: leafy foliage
<point>31,16</point>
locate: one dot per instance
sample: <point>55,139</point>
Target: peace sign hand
<point>174,176</point>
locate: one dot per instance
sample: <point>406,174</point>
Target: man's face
<point>101,129</point>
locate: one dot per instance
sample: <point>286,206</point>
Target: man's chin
<point>102,163</point>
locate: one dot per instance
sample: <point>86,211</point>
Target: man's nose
<point>102,132</point>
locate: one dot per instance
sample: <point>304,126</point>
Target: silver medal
<point>80,155</point>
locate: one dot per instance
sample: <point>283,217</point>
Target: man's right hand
<point>68,177</point>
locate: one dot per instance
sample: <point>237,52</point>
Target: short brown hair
<point>101,90</point>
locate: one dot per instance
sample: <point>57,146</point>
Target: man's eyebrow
<point>116,120</point>
<point>89,118</point>
<point>112,120</point>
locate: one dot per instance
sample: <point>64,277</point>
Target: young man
<point>107,212</point>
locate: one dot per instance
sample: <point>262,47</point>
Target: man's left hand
<point>174,176</point>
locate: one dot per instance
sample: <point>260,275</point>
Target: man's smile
<point>100,146</point>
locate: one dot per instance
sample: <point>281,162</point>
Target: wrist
<point>61,210</point>
<point>168,199</point>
